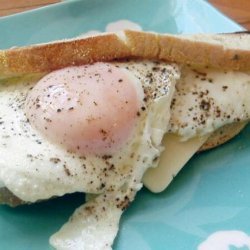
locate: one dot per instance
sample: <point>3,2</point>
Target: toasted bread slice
<point>222,51</point>
<point>8,198</point>
<point>225,51</point>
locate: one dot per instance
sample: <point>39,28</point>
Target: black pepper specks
<point>205,105</point>
<point>66,170</point>
<point>224,88</point>
<point>55,160</point>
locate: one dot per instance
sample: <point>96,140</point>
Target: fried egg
<point>93,128</point>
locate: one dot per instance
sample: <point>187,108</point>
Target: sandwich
<point>78,115</point>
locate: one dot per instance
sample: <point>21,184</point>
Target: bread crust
<point>8,198</point>
<point>182,49</point>
<point>48,57</point>
<point>222,135</point>
<point>202,54</point>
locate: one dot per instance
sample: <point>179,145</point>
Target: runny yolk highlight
<point>88,109</point>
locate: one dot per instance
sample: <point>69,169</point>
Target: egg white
<point>207,99</point>
<point>33,168</point>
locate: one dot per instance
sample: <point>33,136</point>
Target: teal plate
<point>210,194</point>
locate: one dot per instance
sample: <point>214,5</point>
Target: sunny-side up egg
<point>93,128</point>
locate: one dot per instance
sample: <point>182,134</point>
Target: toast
<point>222,135</point>
<point>8,198</point>
<point>223,51</point>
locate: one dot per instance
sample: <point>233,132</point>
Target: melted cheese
<point>172,160</point>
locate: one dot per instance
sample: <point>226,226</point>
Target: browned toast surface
<point>231,52</point>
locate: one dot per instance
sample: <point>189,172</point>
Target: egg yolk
<point>87,109</point>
